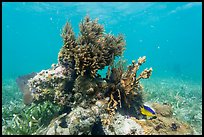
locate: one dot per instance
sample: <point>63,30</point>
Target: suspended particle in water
<point>152,26</point>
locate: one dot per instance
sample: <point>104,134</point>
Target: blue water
<point>168,34</point>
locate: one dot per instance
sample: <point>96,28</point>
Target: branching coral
<point>125,88</point>
<point>66,54</point>
<point>129,80</point>
<point>93,50</point>
<point>85,89</point>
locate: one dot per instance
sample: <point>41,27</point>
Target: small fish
<point>147,111</point>
<point>27,98</point>
<point>22,82</point>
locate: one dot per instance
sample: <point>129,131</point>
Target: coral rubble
<point>113,101</point>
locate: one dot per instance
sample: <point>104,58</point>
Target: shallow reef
<point>93,104</point>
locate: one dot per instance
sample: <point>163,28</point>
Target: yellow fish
<point>147,111</point>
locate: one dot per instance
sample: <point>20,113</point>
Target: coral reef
<point>113,101</point>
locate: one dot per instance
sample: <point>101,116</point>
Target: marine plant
<point>10,91</point>
<point>18,119</point>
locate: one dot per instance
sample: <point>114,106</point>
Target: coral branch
<point>92,50</point>
<point>126,88</point>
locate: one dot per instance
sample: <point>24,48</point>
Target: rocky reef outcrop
<point>108,105</point>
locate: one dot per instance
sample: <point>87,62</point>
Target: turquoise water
<point>168,34</point>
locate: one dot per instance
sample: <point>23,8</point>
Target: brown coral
<point>125,88</point>
<point>93,50</point>
<point>66,54</point>
<point>129,80</point>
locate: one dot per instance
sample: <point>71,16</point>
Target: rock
<point>79,121</point>
<point>123,126</point>
<point>164,110</point>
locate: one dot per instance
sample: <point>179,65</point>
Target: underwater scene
<point>101,68</point>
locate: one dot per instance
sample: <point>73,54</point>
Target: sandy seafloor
<point>184,95</point>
